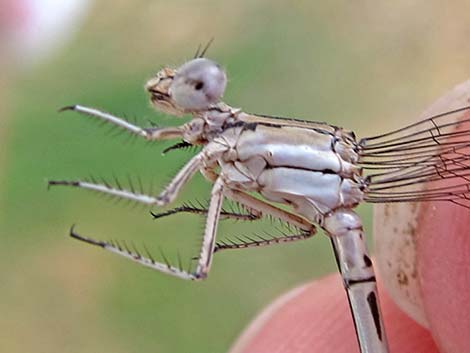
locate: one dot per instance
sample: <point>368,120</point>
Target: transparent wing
<point>425,161</point>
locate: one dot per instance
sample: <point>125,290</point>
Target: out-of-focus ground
<point>365,67</point>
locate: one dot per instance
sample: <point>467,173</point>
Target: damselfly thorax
<point>321,171</point>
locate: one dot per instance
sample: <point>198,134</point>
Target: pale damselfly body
<point>321,171</point>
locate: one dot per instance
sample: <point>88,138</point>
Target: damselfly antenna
<point>204,51</point>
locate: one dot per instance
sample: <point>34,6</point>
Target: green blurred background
<point>367,66</point>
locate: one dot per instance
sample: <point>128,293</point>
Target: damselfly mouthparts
<point>321,171</point>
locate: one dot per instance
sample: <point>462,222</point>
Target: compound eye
<point>198,84</point>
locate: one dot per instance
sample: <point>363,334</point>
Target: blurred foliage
<point>365,66</point>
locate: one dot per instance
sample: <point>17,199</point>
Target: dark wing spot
<point>199,85</point>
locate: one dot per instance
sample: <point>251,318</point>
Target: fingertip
<point>423,248</point>
<point>443,251</point>
<point>302,320</point>
<point>443,246</point>
<point>404,334</point>
<point>316,318</point>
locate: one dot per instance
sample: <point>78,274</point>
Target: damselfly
<point>322,172</point>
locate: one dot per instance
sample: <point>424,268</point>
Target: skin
<point>444,268</point>
<point>289,324</point>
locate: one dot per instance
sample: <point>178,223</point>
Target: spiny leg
<point>147,133</point>
<point>210,232</point>
<point>224,214</point>
<point>252,203</point>
<point>185,173</point>
<point>136,256</point>
<point>307,229</point>
<point>205,255</point>
<point>245,241</point>
<point>170,192</point>
<point>250,242</point>
<point>106,188</point>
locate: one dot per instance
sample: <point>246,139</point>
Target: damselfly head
<point>193,87</point>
